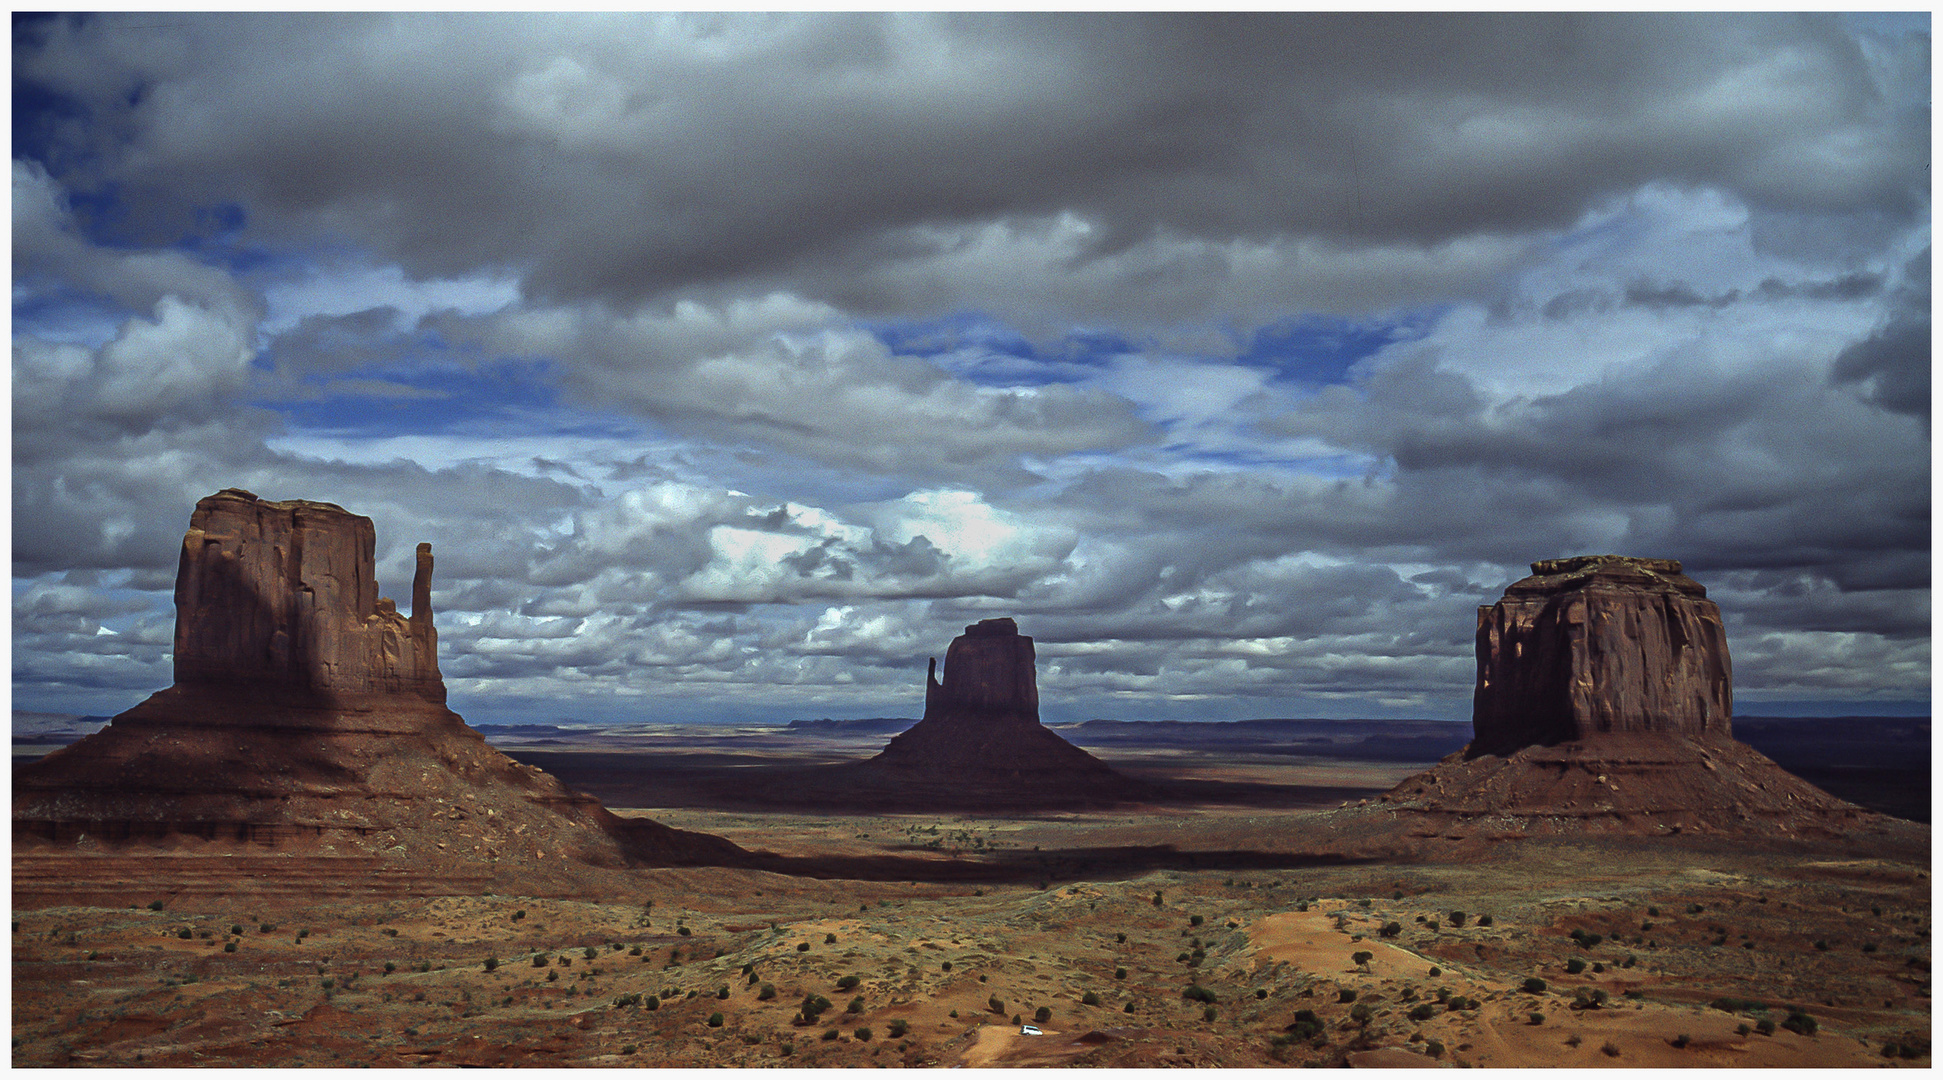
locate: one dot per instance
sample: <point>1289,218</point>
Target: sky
<point>733,363</point>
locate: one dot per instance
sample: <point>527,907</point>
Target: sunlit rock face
<point>1600,645</point>
<point>284,594</point>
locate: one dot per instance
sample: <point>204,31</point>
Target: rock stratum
<point>1604,703</point>
<point>980,744</point>
<point>308,720</point>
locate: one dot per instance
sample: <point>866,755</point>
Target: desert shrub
<point>899,1027</point>
<point>1307,1025</point>
<point>1157,899</point>
<point>1344,997</point>
<point>848,982</point>
<point>1197,992</point>
<point>590,953</point>
<point>1574,966</point>
<point>1261,995</point>
<point>1434,1048</point>
<point>1610,1049</point>
<point>1598,968</point>
<point>1423,1012</point>
<point>1800,1022</point>
<point>1430,924</point>
<point>1537,1018</point>
<point>1435,971</point>
<point>802,946</point>
<point>520,914</point>
<point>1089,998</point>
<point>492,962</point>
<point>856,1005</point>
<point>1653,911</point>
<point>1484,920</point>
<point>629,1049</point>
<point>1680,1041</point>
<point>184,934</point>
<point>1208,1014</point>
<point>864,1034</point>
<point>1534,985</point>
<point>1869,947</point>
<point>1390,929</point>
<point>1743,1029</point>
<point>228,946</point>
<point>1119,973</point>
<point>830,1034</point>
<point>565,960</point>
<point>829,939</point>
<point>1734,1005</point>
<point>767,993</point>
<point>722,993</point>
<point>1041,1014</point>
<point>1694,909</point>
<point>1121,938</point>
<point>1585,940</point>
<point>947,965</point>
<point>540,960</point>
<point>1764,1026</point>
<point>815,1005</point>
<point>552,976</point>
<point>1129,1007</point>
<point>1361,958</point>
<point>714,1019</point>
<point>1573,1041</point>
<point>996,1004</point>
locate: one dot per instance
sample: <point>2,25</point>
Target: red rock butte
<point>1597,645</point>
<point>308,720</point>
<point>1604,703</point>
<point>980,743</point>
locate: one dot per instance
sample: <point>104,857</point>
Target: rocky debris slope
<point>980,743</point>
<point>1603,704</point>
<point>308,717</point>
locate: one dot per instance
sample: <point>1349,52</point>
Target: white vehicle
<point>1028,1029</point>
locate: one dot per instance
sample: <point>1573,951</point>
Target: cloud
<point>733,363</point>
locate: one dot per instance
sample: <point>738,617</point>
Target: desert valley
<point>298,856</point>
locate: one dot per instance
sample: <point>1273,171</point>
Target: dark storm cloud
<point>1894,362</point>
<point>623,157</point>
<point>836,333</point>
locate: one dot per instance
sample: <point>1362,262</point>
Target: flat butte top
<point>287,504</point>
<point>1620,572</point>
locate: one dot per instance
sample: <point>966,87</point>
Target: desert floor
<point>1162,936</point>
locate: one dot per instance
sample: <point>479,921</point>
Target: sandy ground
<point>1135,910</point>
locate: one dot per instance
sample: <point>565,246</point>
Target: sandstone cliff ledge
<point>308,719</point>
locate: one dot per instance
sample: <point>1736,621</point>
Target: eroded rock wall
<point>284,594</point>
<point>1600,644</point>
<point>989,676</point>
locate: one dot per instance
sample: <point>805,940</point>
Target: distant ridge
<point>876,725</point>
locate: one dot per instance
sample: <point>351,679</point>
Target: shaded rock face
<point>991,676</point>
<point>980,744</point>
<point>284,595</point>
<point>1599,645</point>
<point>308,718</point>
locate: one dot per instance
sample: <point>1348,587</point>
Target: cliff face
<point>990,677</point>
<point>283,595</point>
<point>1599,645</point>
<point>308,717</point>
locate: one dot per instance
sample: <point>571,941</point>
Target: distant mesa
<point>1604,702</point>
<point>980,743</point>
<point>308,717</point>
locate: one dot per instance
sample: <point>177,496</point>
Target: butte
<point>1604,704</point>
<point>980,745</point>
<point>307,740</point>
